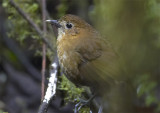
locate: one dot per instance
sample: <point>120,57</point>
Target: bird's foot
<point>100,109</point>
<point>83,103</point>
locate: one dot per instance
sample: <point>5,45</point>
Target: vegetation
<point>132,27</point>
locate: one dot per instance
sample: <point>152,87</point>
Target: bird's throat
<point>61,34</point>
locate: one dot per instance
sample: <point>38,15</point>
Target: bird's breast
<point>69,61</point>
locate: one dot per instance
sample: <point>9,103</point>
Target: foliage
<point>22,29</point>
<point>146,88</point>
<point>132,26</point>
<point>62,8</point>
<point>72,92</point>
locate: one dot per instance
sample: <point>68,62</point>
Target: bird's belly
<point>70,68</point>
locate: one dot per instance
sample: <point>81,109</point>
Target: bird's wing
<point>100,63</point>
<point>89,49</point>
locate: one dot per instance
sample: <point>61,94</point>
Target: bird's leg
<point>100,109</point>
<point>82,103</point>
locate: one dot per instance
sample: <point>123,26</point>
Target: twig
<point>30,21</point>
<point>43,49</point>
<point>43,70</point>
<point>46,12</point>
<point>51,90</point>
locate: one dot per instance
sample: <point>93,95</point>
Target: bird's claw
<point>80,104</point>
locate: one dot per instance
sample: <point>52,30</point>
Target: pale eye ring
<point>69,25</point>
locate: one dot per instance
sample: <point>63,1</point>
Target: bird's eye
<point>69,25</point>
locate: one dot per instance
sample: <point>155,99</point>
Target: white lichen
<point>51,90</point>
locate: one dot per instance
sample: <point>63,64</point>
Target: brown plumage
<point>85,57</point>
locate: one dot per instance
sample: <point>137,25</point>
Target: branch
<point>51,90</point>
<point>40,4</point>
<point>30,21</point>
<point>43,50</point>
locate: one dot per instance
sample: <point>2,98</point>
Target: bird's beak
<point>54,23</point>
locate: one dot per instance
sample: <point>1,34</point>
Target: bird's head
<point>71,25</point>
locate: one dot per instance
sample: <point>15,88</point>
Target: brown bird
<point>85,57</point>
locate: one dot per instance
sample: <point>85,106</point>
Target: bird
<point>86,58</point>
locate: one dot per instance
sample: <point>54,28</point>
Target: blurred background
<point>131,26</point>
